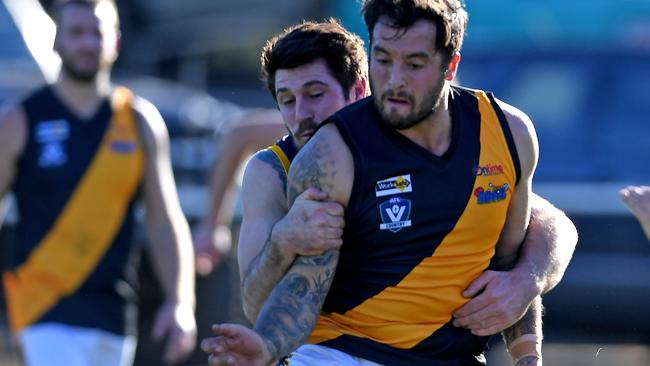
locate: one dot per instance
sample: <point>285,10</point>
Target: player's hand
<point>311,226</point>
<point>498,300</point>
<point>211,244</point>
<point>637,199</point>
<point>235,345</point>
<point>177,323</point>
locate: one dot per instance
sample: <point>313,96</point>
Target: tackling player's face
<point>306,96</point>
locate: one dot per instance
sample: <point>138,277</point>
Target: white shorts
<point>58,344</point>
<point>315,355</point>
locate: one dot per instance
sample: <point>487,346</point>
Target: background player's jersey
<point>75,186</point>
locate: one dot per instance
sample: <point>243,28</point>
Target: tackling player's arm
<point>261,263</point>
<point>269,239</point>
<point>291,311</point>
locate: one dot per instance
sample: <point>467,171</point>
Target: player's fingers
<point>312,193</point>
<point>334,209</point>
<point>488,327</point>
<point>478,284</point>
<point>212,345</point>
<point>474,319</point>
<point>220,360</point>
<point>336,221</point>
<point>227,330</point>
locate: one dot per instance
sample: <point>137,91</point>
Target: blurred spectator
<point>77,154</point>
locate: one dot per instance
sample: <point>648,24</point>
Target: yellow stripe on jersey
<point>404,315</point>
<point>86,226</point>
<point>282,156</point>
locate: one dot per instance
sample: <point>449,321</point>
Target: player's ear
<point>359,89</point>
<point>452,67</point>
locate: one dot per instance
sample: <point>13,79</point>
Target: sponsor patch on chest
<point>51,136</point>
<point>394,185</point>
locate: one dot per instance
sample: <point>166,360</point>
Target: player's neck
<point>434,132</point>
<point>83,98</point>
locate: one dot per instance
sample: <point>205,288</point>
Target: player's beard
<point>429,105</point>
<point>77,73</point>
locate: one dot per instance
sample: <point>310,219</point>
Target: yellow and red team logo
<point>492,193</point>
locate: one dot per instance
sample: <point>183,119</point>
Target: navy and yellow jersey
<point>75,187</point>
<point>419,229</point>
<point>285,150</point>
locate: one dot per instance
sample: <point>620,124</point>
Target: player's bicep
<point>159,188</point>
<point>263,203</point>
<point>519,210</point>
<point>324,163</point>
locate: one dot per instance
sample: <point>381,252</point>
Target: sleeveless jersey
<point>419,228</point>
<point>75,186</point>
<point>285,150</point>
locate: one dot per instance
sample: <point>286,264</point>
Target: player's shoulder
<point>523,133</point>
<point>265,165</point>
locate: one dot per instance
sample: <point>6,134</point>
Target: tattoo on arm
<point>315,168</point>
<point>264,272</point>
<point>530,323</point>
<point>289,315</point>
<point>268,157</point>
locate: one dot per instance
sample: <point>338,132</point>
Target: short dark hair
<point>58,5</point>
<point>449,16</point>
<point>342,51</point>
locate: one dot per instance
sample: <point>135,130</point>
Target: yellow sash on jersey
<point>282,156</point>
<point>86,226</point>
<point>406,314</point>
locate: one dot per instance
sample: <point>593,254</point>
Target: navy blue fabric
<point>42,191</point>
<point>373,259</point>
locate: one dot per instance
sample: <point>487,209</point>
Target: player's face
<point>406,73</point>
<point>306,96</point>
<point>86,39</point>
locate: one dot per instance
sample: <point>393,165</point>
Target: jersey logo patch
<point>394,185</point>
<point>50,135</point>
<point>395,214</point>
<point>123,147</point>
<point>490,169</point>
<point>491,194</point>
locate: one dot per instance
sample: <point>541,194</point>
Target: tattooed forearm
<point>313,167</point>
<point>291,311</point>
<point>269,158</point>
<point>531,323</point>
<point>263,273</point>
